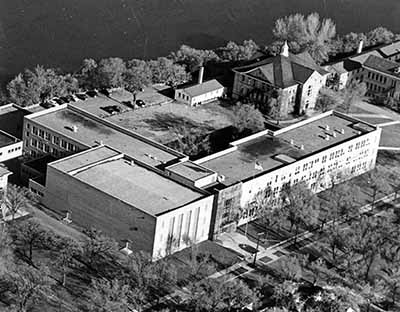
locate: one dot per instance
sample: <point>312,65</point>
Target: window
<point>64,144</point>
<point>40,145</point>
<point>324,158</point>
<point>56,140</point>
<point>34,142</point>
<point>35,130</point>
<point>47,148</point>
<point>41,133</point>
<point>70,147</point>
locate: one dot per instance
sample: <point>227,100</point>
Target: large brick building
<point>137,190</point>
<point>378,68</point>
<point>293,79</point>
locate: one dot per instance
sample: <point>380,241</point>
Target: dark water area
<point>60,33</point>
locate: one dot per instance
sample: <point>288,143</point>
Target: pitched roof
<point>283,71</point>
<point>205,87</point>
<point>382,65</point>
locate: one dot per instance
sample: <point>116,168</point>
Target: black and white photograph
<point>199,156</point>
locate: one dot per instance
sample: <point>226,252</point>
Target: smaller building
<point>10,146</point>
<point>200,93</point>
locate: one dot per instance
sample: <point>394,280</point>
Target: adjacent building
<point>377,68</point>
<point>294,80</point>
<point>200,93</point>
<point>317,151</point>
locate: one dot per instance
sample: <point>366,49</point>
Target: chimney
<point>302,147</point>
<point>342,131</point>
<point>327,127</point>
<point>201,74</point>
<point>291,142</point>
<point>285,49</point>
<point>360,47</point>
<point>74,128</point>
<point>334,134</point>
<point>327,137</point>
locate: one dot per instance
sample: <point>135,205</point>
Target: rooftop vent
<point>397,70</point>
<point>67,218</point>
<point>342,131</point>
<point>327,137</point>
<point>334,134</point>
<point>221,178</point>
<point>74,128</point>
<point>291,142</point>
<point>302,147</point>
<point>327,127</point>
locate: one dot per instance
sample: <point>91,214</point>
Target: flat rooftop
<point>190,170</point>
<point>285,146</point>
<point>119,177</point>
<point>7,139</point>
<point>91,132</point>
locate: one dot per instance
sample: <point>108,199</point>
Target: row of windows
<point>46,148</point>
<point>374,87</point>
<point>183,96</point>
<point>377,77</point>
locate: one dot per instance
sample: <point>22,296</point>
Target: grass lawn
<point>159,122</point>
<point>390,136</point>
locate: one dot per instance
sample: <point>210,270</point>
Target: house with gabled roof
<point>297,78</point>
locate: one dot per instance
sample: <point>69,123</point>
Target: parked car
<point>59,101</point>
<point>105,92</point>
<point>47,104</point>
<point>81,96</point>
<point>91,93</point>
<point>112,109</point>
<point>140,103</point>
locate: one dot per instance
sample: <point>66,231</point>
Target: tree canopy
<point>40,84</point>
<point>306,33</point>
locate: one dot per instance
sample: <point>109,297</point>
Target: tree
<point>306,33</point>
<point>391,281</point>
<point>163,70</point>
<point>192,142</point>
<point>380,35</point>
<point>377,180</point>
<point>352,94</point>
<point>108,296</point>
<point>219,295</point>
<point>269,214</point>
<point>328,99</point>
<point>6,249</point>
<point>235,52</point>
<point>247,119</point>
<point>148,277</point>
<point>87,76</point>
<point>98,249</point>
<point>366,238</point>
<point>193,58</point>
<point>16,199</point>
<point>290,268</point>
<point>137,76</point>
<point>27,236</point>
<point>67,250</point>
<point>341,199</point>
<point>39,85</point>
<point>300,207</point>
<point>110,72</point>
<point>29,286</point>
<point>336,239</point>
